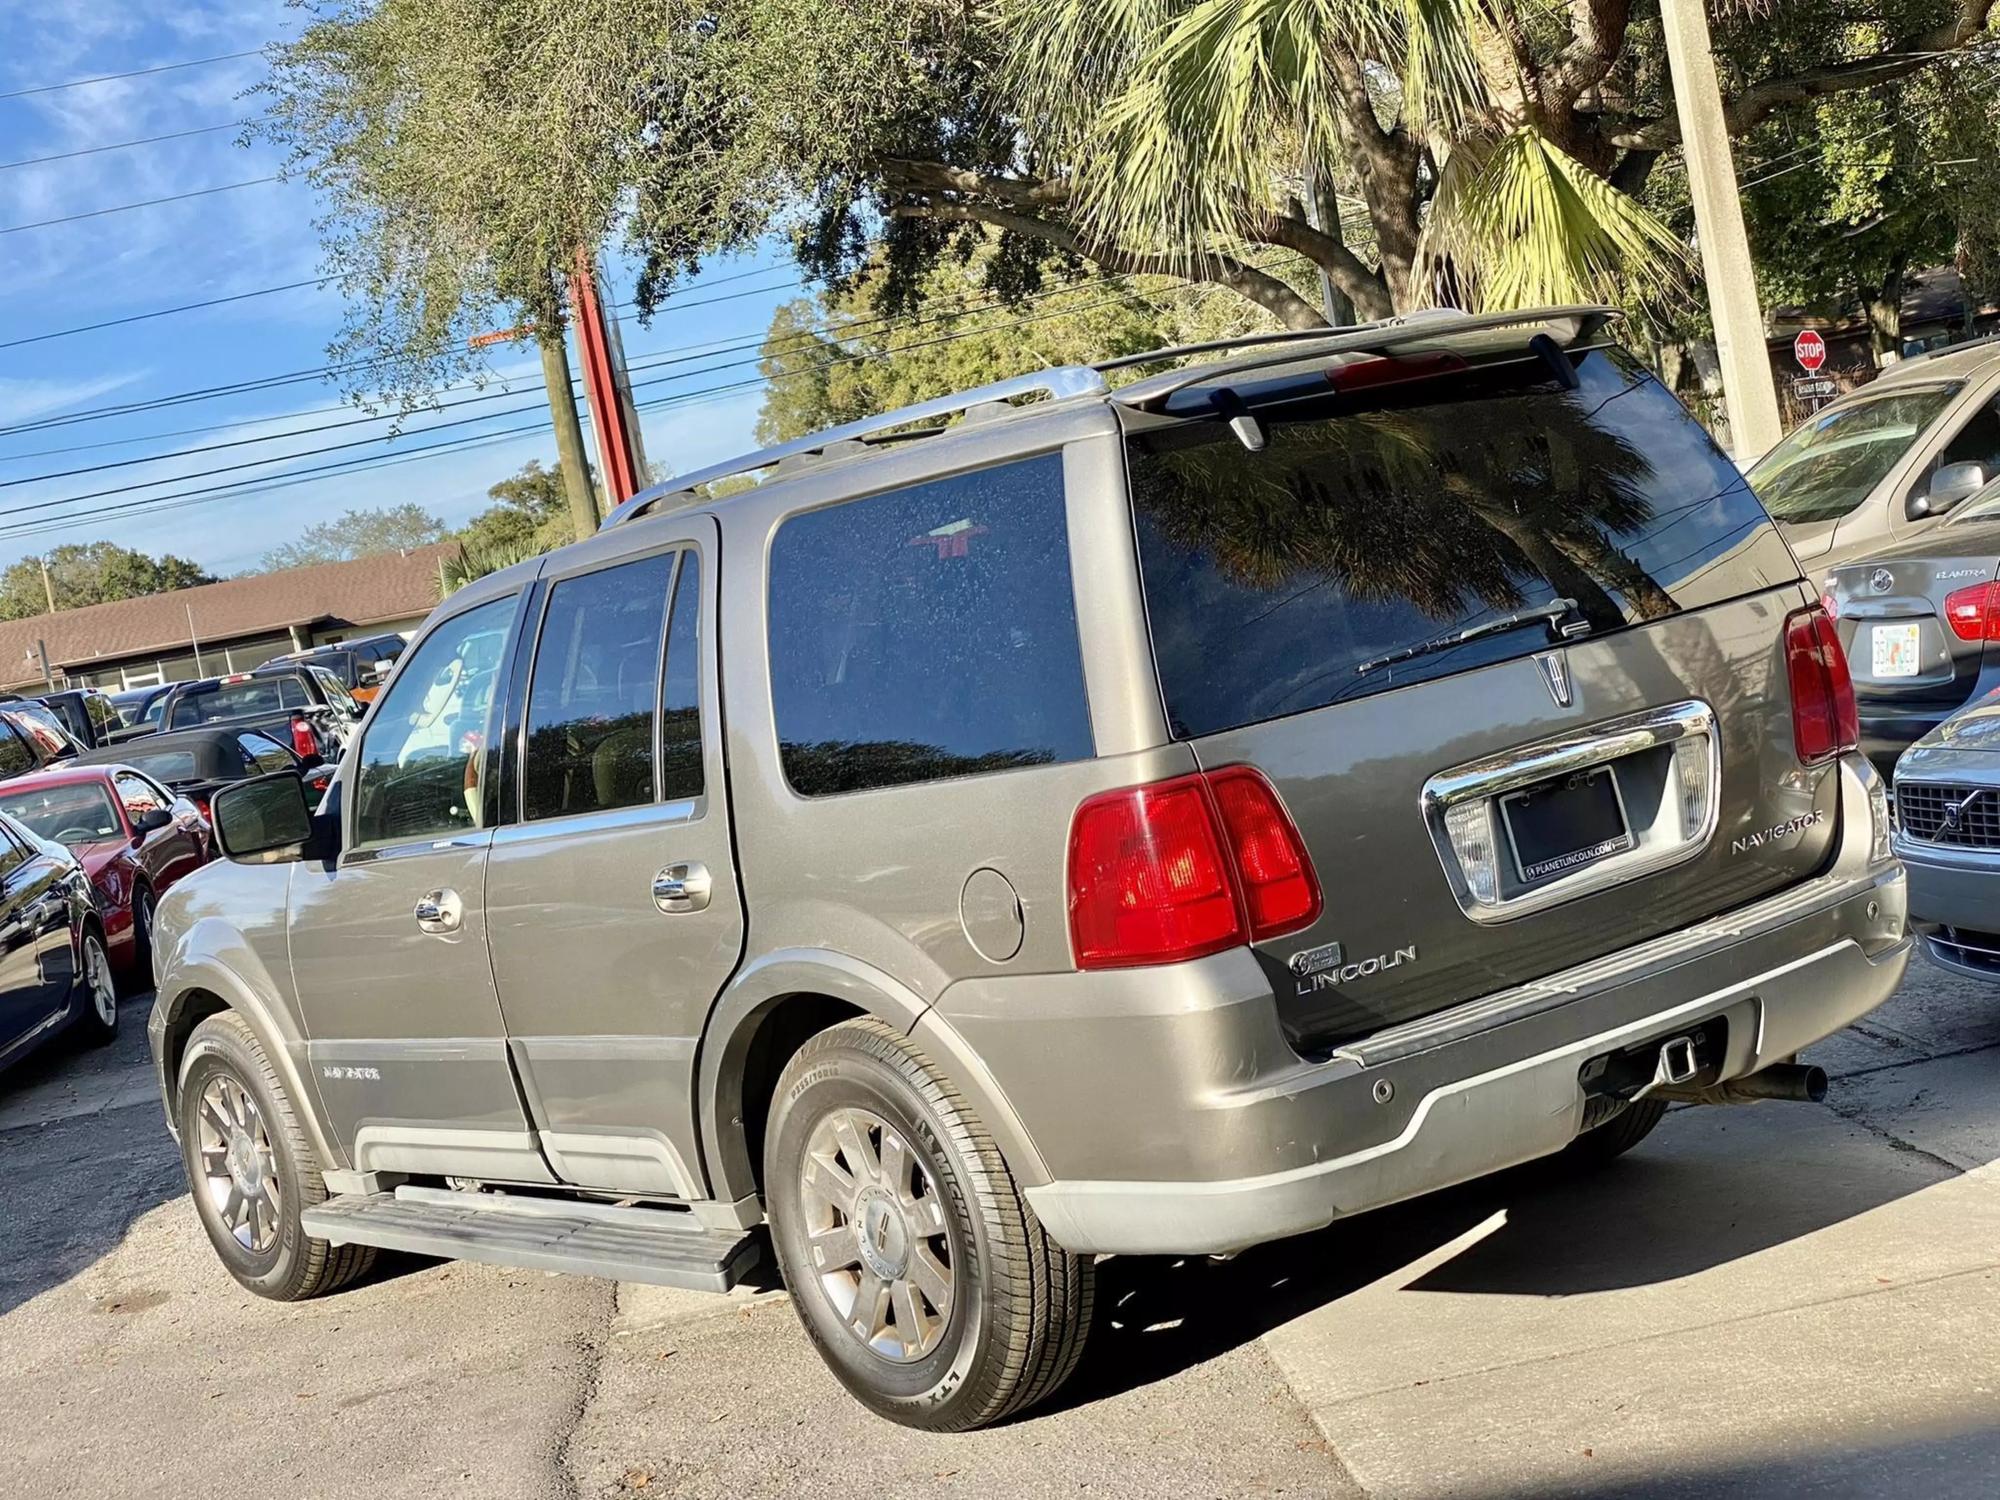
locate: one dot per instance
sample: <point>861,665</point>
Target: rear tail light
<point>1974,613</point>
<point>1185,868</point>
<point>304,742</point>
<point>201,806</point>
<point>1824,719</point>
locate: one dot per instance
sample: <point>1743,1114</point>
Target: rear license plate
<point>1894,649</point>
<point>1562,825</point>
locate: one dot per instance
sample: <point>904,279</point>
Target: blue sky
<point>220,245</point>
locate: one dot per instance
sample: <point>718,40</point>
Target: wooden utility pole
<point>48,588</point>
<point>1747,387</point>
<point>569,433</point>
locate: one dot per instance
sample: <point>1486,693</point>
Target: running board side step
<point>657,1246</point>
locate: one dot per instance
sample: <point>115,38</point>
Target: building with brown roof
<point>220,627</point>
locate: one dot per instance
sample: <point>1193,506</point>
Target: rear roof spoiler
<point>1418,332</point>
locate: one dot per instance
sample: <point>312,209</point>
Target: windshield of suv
<point>1827,467</point>
<point>72,815</point>
<point>1364,550</point>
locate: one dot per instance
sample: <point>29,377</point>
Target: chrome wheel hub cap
<point>875,1232</point>
<point>239,1169</point>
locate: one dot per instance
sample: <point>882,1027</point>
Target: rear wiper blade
<point>1541,614</point>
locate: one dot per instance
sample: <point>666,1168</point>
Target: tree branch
<point>1597,38</point>
<point>1754,103</point>
<point>937,177</point>
<point>1346,269</point>
<point>1260,287</point>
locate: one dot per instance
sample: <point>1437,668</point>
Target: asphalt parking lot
<point>1777,1299</point>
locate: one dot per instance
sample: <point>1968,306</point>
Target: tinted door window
<point>15,756</point>
<point>265,755</point>
<point>927,632</point>
<point>680,697</point>
<point>1337,562</point>
<point>1977,442</point>
<point>592,695</point>
<point>421,770</point>
<point>140,796</point>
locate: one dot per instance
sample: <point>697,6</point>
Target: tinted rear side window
<point>596,679</point>
<point>927,632</point>
<point>680,696</point>
<point>1276,581</point>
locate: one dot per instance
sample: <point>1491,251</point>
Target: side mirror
<point>152,820</point>
<point>266,820</point>
<point>1953,484</point>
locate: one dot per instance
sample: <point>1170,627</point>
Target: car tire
<point>1603,1143</point>
<point>140,977</point>
<point>855,1100</point>
<point>97,1021</point>
<point>251,1169</point>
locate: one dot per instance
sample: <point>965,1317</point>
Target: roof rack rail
<point>1370,338</point>
<point>1255,340</point>
<point>1943,350</point>
<point>1059,384</point>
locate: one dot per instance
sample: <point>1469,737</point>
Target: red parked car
<point>133,837</point>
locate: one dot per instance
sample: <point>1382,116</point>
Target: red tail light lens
<point>1184,868</point>
<point>304,742</point>
<point>1974,613</point>
<point>1824,719</point>
<point>1280,887</point>
<point>1148,882</point>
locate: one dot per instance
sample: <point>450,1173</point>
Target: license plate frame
<point>1893,649</point>
<point>1606,831</point>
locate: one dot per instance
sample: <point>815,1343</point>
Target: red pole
<point>607,412</point>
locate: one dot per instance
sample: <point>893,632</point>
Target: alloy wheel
<point>238,1164</point>
<point>97,979</point>
<point>876,1232</point>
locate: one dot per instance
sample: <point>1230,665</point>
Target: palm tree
<point>1190,125</point>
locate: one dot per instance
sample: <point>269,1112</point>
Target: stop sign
<point>1809,349</point>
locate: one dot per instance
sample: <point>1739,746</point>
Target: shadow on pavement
<point>1644,1220</point>
<point>86,1153</point>
<point>1950,1459</point>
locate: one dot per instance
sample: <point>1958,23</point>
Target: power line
<point>160,312</point>
<point>120,208</point>
<point>77,83</point>
<point>240,489</point>
<point>172,135</point>
<point>684,355</point>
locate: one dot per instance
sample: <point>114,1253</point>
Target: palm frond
<point>1518,222</point>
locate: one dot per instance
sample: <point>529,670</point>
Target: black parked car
<point>1921,624</point>
<point>197,763</point>
<point>299,704</point>
<point>32,738</point>
<point>362,666</point>
<point>54,971</point>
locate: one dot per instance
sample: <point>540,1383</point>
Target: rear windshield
<point>251,698</point>
<point>1277,581</point>
<point>1829,465</point>
<point>163,765</point>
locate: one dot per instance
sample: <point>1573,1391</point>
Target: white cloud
<point>25,400</point>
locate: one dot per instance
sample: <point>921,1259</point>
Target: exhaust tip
<point>1813,1084</point>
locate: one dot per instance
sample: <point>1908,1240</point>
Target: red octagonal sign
<point>1809,349</point>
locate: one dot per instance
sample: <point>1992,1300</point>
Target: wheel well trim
<point>757,991</point>
<point>190,979</point>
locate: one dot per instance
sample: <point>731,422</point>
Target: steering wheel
<point>79,836</point>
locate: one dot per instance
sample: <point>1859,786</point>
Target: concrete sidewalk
<point>1778,1299</point>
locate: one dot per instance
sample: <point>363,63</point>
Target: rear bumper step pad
<point>656,1246</point>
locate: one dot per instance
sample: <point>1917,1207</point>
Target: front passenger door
<point>607,967</point>
<point>389,941</point>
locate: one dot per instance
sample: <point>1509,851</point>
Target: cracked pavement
<point>1781,1297</point>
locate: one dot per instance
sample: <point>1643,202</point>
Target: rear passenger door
<point>611,899</point>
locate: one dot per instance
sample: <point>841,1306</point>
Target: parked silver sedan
<point>1948,835</point>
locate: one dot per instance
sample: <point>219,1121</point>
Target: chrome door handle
<point>683,888</point>
<point>440,912</point>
